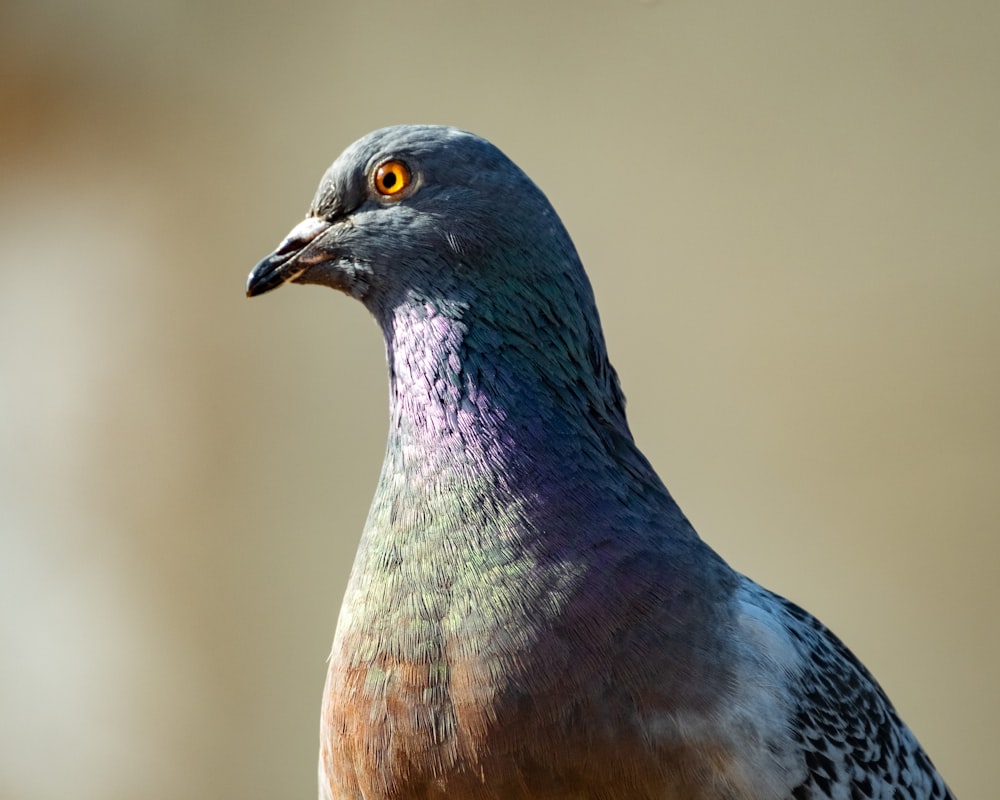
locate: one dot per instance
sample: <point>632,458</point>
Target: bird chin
<point>344,276</point>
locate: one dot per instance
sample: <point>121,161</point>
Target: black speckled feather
<point>848,730</point>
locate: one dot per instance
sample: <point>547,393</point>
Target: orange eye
<point>391,178</point>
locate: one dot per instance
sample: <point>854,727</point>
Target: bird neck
<point>494,470</point>
<point>468,401</point>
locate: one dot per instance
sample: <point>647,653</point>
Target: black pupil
<point>389,180</point>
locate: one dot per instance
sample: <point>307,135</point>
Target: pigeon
<point>530,615</point>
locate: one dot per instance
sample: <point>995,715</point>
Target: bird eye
<point>391,178</point>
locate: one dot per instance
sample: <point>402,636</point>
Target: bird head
<point>405,210</point>
<point>430,221</point>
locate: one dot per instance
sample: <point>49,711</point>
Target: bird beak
<point>290,259</point>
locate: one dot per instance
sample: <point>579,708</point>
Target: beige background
<point>790,215</point>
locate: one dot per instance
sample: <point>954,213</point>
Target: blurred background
<point>789,212</point>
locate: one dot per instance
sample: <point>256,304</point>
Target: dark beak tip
<point>269,274</point>
<point>254,287</point>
